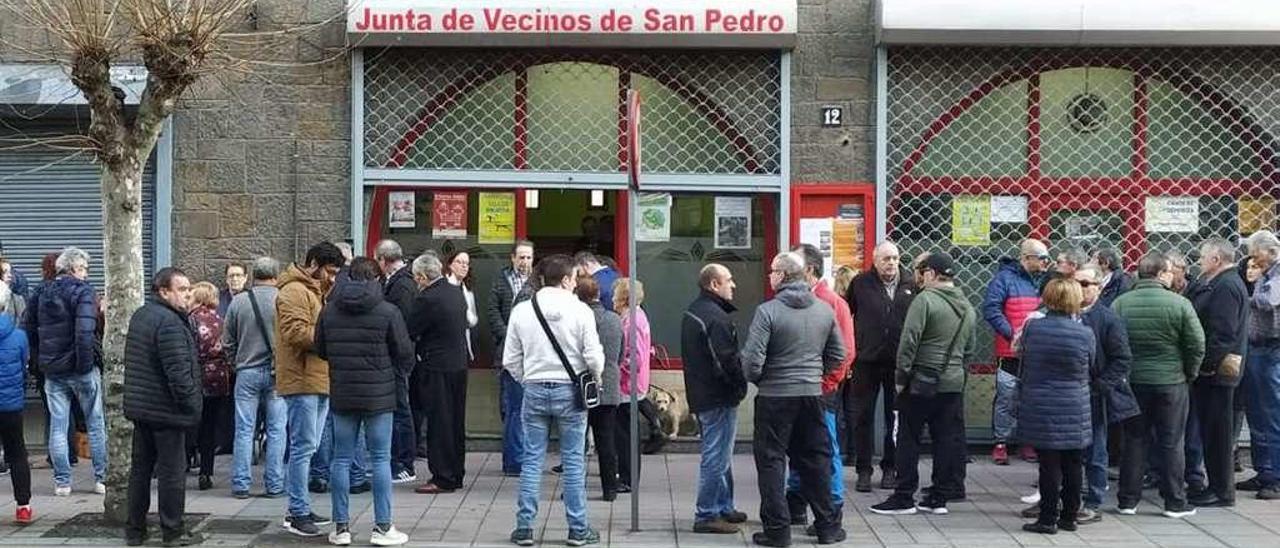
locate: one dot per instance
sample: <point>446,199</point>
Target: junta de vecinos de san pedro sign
<point>574,23</point>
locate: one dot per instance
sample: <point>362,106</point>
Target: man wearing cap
<point>1012,295</point>
<point>937,336</point>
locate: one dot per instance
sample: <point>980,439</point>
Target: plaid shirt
<point>517,281</point>
<point>1264,321</point>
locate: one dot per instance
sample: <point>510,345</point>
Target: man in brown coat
<point>302,378</point>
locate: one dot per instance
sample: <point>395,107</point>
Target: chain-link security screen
<point>1135,150</point>
<point>561,110</point>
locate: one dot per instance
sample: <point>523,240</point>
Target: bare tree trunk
<point>122,229</point>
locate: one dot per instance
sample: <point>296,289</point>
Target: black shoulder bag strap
<point>262,325</point>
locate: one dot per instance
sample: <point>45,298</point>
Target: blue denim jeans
<point>404,445</point>
<point>1004,408</point>
<point>715,469</point>
<point>1261,382</point>
<point>511,394</point>
<point>544,403</point>
<point>322,460</point>
<point>1095,467</point>
<point>837,465</point>
<point>346,444</point>
<point>87,389</point>
<point>1193,450</point>
<point>306,420</point>
<point>257,387</point>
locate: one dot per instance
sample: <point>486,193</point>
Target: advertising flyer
<point>1257,214</point>
<point>971,220</point>
<point>733,223</point>
<point>497,218</point>
<point>402,214</point>
<point>653,212</point>
<point>449,219</point>
<point>1173,214</point>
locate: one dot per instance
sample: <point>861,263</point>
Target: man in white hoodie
<point>549,394</point>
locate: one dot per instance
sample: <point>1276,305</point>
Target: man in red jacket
<point>831,382</point>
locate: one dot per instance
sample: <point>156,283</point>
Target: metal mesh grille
<point>1135,150</point>
<point>704,112</point>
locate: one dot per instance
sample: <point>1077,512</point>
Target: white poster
<point>653,213</point>
<point>1173,214</point>
<point>818,233</point>
<point>733,223</point>
<point>403,209</point>
<point>1008,209</point>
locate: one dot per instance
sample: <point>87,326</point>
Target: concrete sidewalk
<point>483,514</point>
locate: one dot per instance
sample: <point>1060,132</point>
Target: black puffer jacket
<point>364,339</point>
<point>400,290</point>
<point>1222,304</point>
<point>61,321</point>
<point>161,375</point>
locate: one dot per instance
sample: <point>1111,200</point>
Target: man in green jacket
<point>937,336</point>
<point>1168,346</point>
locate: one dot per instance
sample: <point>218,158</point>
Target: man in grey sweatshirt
<point>246,337</point>
<point>792,342</point>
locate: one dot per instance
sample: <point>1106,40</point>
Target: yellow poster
<point>1257,214</point>
<point>846,242</point>
<point>497,218</point>
<point>971,220</point>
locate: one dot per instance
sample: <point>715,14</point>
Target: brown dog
<point>672,409</point>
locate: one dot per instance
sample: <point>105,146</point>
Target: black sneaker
<point>1251,484</point>
<point>320,520</point>
<point>522,537</point>
<point>764,539</point>
<point>583,537</point>
<point>302,526</point>
<point>185,539</point>
<point>834,537</point>
<point>318,486</point>
<point>361,488</point>
<point>933,505</point>
<point>1065,525</point>
<point>895,505</point>
<point>1042,528</point>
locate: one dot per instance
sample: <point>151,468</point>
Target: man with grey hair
<point>399,288</point>
<point>61,324</point>
<point>1069,261</point>
<point>1262,374</point>
<point>438,326</point>
<point>247,339</point>
<point>793,341</point>
<point>1114,280</point>
<point>1178,265</point>
<point>1222,305</point>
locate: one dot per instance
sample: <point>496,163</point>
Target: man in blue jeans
<point>247,338</point>
<point>507,290</point>
<point>399,289</point>
<point>61,324</point>
<point>715,386</point>
<point>550,396</point>
<point>1262,373</point>
<point>302,376</point>
<point>321,462</point>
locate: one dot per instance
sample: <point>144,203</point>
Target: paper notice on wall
<point>733,223</point>
<point>653,213</point>
<point>819,233</point>
<point>1008,209</point>
<point>402,210</point>
<point>971,220</point>
<point>1173,214</point>
<point>449,215</point>
<point>846,244</point>
<point>1256,214</point>
<point>497,218</point>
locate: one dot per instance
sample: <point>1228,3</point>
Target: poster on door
<point>733,223</point>
<point>497,218</point>
<point>402,213</point>
<point>449,215</point>
<point>1173,214</point>
<point>654,213</point>
<point>971,220</point>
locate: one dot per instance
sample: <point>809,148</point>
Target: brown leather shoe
<point>432,489</point>
<point>715,527</point>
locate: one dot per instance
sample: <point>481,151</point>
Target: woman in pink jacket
<point>635,361</point>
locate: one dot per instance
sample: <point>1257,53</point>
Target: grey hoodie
<point>792,342</point>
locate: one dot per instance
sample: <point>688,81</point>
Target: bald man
<point>1012,295</point>
<point>878,300</point>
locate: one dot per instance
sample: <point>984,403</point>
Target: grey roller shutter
<point>50,199</point>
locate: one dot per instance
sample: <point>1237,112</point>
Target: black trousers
<point>944,415</point>
<point>1215,414</point>
<point>419,401</point>
<point>1164,411</point>
<point>869,380</point>
<point>404,441</point>
<point>446,427</point>
<point>162,450</point>
<point>210,426</point>
<point>1061,475</point>
<point>796,428</point>
<point>15,453</point>
<point>603,421</point>
<point>622,441</point>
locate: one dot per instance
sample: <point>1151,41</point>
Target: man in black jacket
<point>878,300</point>
<point>438,326</point>
<point>367,346</point>
<point>1114,281</point>
<point>399,290</point>
<point>506,289</point>
<point>1222,305</point>
<point>162,397</point>
<point>715,385</point>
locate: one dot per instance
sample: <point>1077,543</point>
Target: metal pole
<point>635,360</point>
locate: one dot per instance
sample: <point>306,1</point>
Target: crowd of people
<point>363,363</point>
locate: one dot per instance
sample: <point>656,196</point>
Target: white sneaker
<point>1132,511</point>
<point>341,537</point>
<point>390,537</point>
<point>62,491</point>
<point>404,476</point>
<point>100,488</point>
<point>1177,514</point>
<point>1033,498</point>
